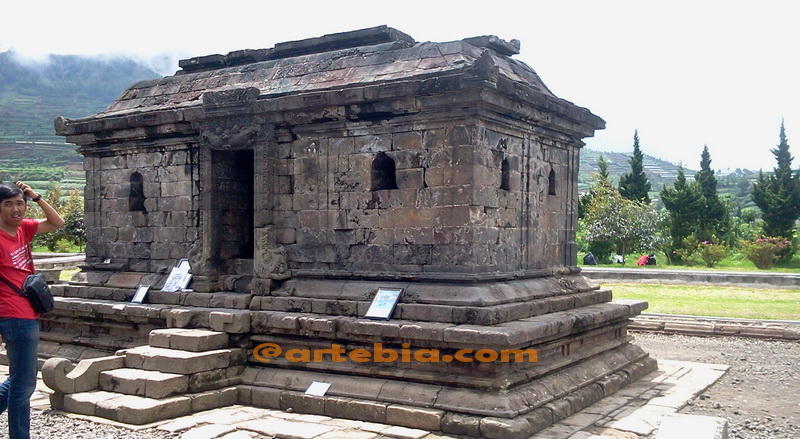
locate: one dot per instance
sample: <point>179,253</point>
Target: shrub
<point>764,252</point>
<point>685,253</point>
<point>711,253</point>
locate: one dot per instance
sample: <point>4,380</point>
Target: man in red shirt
<point>18,325</point>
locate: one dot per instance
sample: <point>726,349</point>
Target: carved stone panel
<point>269,261</point>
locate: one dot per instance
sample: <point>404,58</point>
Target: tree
<point>627,224</point>
<point>634,185</point>
<point>685,205</point>
<point>778,195</point>
<point>71,209</point>
<point>602,179</point>
<point>714,220</point>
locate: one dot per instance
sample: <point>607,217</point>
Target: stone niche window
<point>551,182</point>
<point>136,195</point>
<point>505,175</point>
<point>384,175</point>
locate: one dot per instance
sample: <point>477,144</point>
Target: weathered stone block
<point>501,428</point>
<point>85,403</point>
<point>266,397</point>
<point>415,417</point>
<point>302,403</point>
<point>194,340</point>
<point>230,321</point>
<point>355,409</point>
<point>459,424</point>
<point>150,384</point>
<point>137,410</point>
<point>180,362</point>
<point>178,318</point>
<point>213,399</point>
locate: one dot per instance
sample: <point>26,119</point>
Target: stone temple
<point>298,180</point>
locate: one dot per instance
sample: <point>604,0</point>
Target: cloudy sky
<point>684,73</point>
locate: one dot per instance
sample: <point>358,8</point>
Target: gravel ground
<point>51,425</point>
<point>758,395</point>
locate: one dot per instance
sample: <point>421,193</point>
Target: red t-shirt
<point>16,264</point>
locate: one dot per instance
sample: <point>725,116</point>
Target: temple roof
<point>369,56</point>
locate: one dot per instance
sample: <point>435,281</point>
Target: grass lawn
<point>700,300</point>
<point>66,275</point>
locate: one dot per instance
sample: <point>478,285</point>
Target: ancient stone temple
<point>301,179</point>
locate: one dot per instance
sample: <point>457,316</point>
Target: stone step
<point>181,362</point>
<point>522,333</point>
<point>147,383</point>
<point>124,293</point>
<point>193,340</point>
<point>138,410</point>
<point>94,313</point>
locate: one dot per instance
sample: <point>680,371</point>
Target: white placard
<point>383,303</point>
<point>318,388</point>
<point>141,292</point>
<point>178,278</point>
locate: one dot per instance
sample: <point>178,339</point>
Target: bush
<point>764,252</point>
<point>685,253</point>
<point>711,253</point>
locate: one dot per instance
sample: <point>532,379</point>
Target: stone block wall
<point>456,207</point>
<point>146,229</point>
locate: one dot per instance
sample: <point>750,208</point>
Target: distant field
<point>41,164</point>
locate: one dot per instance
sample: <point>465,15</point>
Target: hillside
<point>658,171</point>
<point>663,173</point>
<point>33,94</point>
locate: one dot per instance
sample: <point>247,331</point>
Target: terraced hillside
<point>32,94</point>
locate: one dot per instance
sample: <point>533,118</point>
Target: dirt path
<point>760,395</point>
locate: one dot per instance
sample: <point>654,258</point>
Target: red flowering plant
<point>764,252</point>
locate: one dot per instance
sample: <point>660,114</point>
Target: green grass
<point>66,275</point>
<point>737,302</point>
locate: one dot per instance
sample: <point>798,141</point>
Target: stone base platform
<point>577,334</point>
<point>512,413</point>
<point>635,412</point>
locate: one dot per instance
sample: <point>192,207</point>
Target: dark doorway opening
<point>234,175</point>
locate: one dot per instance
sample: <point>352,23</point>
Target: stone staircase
<point>181,371</point>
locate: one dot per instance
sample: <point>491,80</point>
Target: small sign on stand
<point>178,278</point>
<point>141,293</point>
<point>383,303</point>
<point>318,388</point>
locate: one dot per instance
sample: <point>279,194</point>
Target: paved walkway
<point>633,412</point>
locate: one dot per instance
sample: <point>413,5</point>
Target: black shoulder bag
<point>37,292</point>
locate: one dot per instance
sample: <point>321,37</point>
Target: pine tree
<point>603,177</point>
<point>714,220</point>
<point>685,205</point>
<point>778,195</point>
<point>634,185</point>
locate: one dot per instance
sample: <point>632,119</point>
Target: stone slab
<point>147,383</point>
<point>193,340</point>
<point>680,426</point>
<point>180,362</point>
